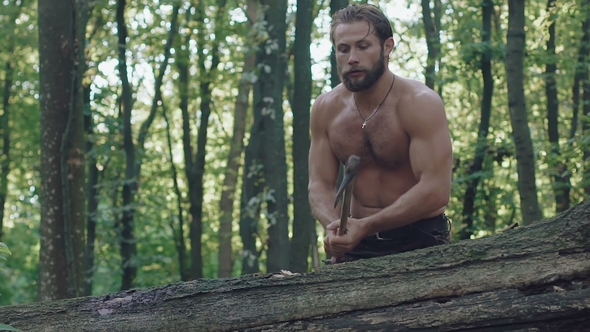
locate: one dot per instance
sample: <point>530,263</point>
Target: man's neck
<point>371,97</point>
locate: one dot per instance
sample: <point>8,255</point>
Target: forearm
<point>321,201</point>
<point>420,202</point>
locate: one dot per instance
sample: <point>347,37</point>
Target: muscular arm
<point>323,167</point>
<point>430,154</point>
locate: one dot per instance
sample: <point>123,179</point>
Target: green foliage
<point>4,251</point>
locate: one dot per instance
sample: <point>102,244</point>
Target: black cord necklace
<point>378,107</point>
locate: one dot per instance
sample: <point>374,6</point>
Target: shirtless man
<point>399,129</point>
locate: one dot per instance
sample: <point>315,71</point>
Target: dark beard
<point>372,75</point>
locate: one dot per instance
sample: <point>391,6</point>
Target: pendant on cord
<point>364,124</point>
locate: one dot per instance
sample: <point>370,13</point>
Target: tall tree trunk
<point>5,131</point>
<point>178,234</point>
<point>61,258</point>
<point>525,156</point>
<point>431,27</point>
<point>559,171</point>
<point>127,244</point>
<point>585,81</point>
<point>581,72</point>
<point>182,63</point>
<point>74,161</point>
<point>195,166</point>
<point>335,5</point>
<point>303,221</point>
<point>91,195</point>
<point>269,102</point>
<point>234,159</point>
<point>250,203</point>
<point>134,160</point>
<point>487,10</point>
<point>93,175</point>
<point>5,116</point>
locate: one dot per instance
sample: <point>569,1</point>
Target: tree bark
<point>177,234</point>
<point>234,159</point>
<point>268,101</point>
<point>250,203</point>
<point>558,168</point>
<point>475,169</point>
<point>195,167</point>
<point>335,5</point>
<point>303,221</point>
<point>585,52</point>
<point>75,159</point>
<point>182,61</point>
<point>91,195</point>
<point>431,27</point>
<point>581,72</point>
<point>5,118</point>
<point>525,155</point>
<point>134,150</point>
<point>5,133</point>
<point>127,246</point>
<point>61,266</point>
<point>527,278</point>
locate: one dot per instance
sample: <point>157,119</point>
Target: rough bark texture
<point>267,100</point>
<point>521,133</point>
<point>431,28</point>
<point>586,96</point>
<point>335,5</point>
<point>528,278</point>
<point>183,62</point>
<point>234,161</point>
<point>303,221</point>
<point>476,167</point>
<point>126,236</point>
<point>61,254</point>
<point>196,171</point>
<point>235,157</point>
<point>558,166</point>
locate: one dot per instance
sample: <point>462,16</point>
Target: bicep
<point>430,143</point>
<point>323,165</point>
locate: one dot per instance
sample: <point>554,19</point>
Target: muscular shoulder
<point>327,106</point>
<point>420,106</point>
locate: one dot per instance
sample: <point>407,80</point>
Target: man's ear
<point>388,46</point>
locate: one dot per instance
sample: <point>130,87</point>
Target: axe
<point>344,193</point>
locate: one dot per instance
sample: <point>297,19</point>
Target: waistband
<point>438,225</point>
<point>417,235</point>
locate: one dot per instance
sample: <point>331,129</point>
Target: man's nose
<point>353,57</point>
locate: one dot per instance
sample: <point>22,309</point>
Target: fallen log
<point>533,278</point>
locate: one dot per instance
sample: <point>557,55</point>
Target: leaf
<point>4,249</point>
<point>4,327</point>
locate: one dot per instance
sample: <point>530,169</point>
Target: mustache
<point>354,69</point>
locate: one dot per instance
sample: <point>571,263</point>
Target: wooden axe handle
<point>349,175</point>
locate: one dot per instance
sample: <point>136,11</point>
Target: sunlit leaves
<point>4,251</point>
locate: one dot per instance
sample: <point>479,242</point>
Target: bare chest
<point>382,142</point>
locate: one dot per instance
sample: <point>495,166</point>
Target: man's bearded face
<point>371,76</point>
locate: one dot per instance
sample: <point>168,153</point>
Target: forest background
<point>151,141</point>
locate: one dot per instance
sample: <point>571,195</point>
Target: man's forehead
<point>353,32</point>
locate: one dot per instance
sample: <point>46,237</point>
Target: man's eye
<point>363,47</point>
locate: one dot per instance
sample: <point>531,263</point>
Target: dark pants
<point>420,234</point>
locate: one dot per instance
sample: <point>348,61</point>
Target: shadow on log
<point>533,278</point>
